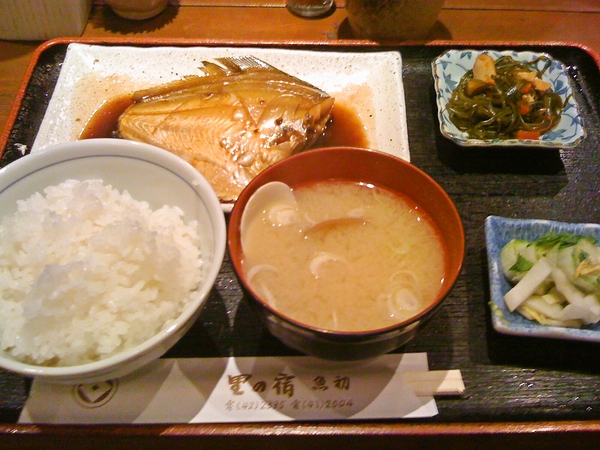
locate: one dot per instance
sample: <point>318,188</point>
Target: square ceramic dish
<point>450,66</point>
<point>498,232</point>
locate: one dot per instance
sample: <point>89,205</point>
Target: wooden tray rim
<point>578,434</point>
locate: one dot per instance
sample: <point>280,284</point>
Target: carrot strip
<point>526,134</point>
<point>526,88</point>
<point>524,108</point>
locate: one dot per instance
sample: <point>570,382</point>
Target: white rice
<point>87,272</point>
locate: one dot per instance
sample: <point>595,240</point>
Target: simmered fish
<point>231,124</point>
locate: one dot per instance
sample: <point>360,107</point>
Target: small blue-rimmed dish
<point>450,66</point>
<point>498,232</point>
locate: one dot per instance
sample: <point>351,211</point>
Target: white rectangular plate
<point>370,83</point>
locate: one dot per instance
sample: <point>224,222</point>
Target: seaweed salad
<point>505,99</point>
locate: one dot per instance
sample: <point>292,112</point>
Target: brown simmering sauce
<point>105,121</point>
<point>344,130</point>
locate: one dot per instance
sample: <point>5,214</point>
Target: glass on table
<point>392,19</point>
<point>309,8</point>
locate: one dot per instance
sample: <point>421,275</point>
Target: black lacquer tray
<point>508,378</point>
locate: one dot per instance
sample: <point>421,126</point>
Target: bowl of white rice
<point>108,251</point>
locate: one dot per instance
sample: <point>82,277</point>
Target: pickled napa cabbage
<point>556,279</point>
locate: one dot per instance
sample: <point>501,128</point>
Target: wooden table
<point>269,21</point>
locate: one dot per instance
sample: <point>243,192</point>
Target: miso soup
<point>350,257</point>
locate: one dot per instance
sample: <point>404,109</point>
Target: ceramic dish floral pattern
<point>498,232</point>
<point>451,65</point>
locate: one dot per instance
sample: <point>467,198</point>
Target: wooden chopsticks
<point>435,382</point>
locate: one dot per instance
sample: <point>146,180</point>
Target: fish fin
<point>245,63</point>
<point>234,64</point>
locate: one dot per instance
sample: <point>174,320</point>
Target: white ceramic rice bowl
<point>149,174</point>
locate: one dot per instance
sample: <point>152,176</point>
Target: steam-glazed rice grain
<point>87,272</point>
